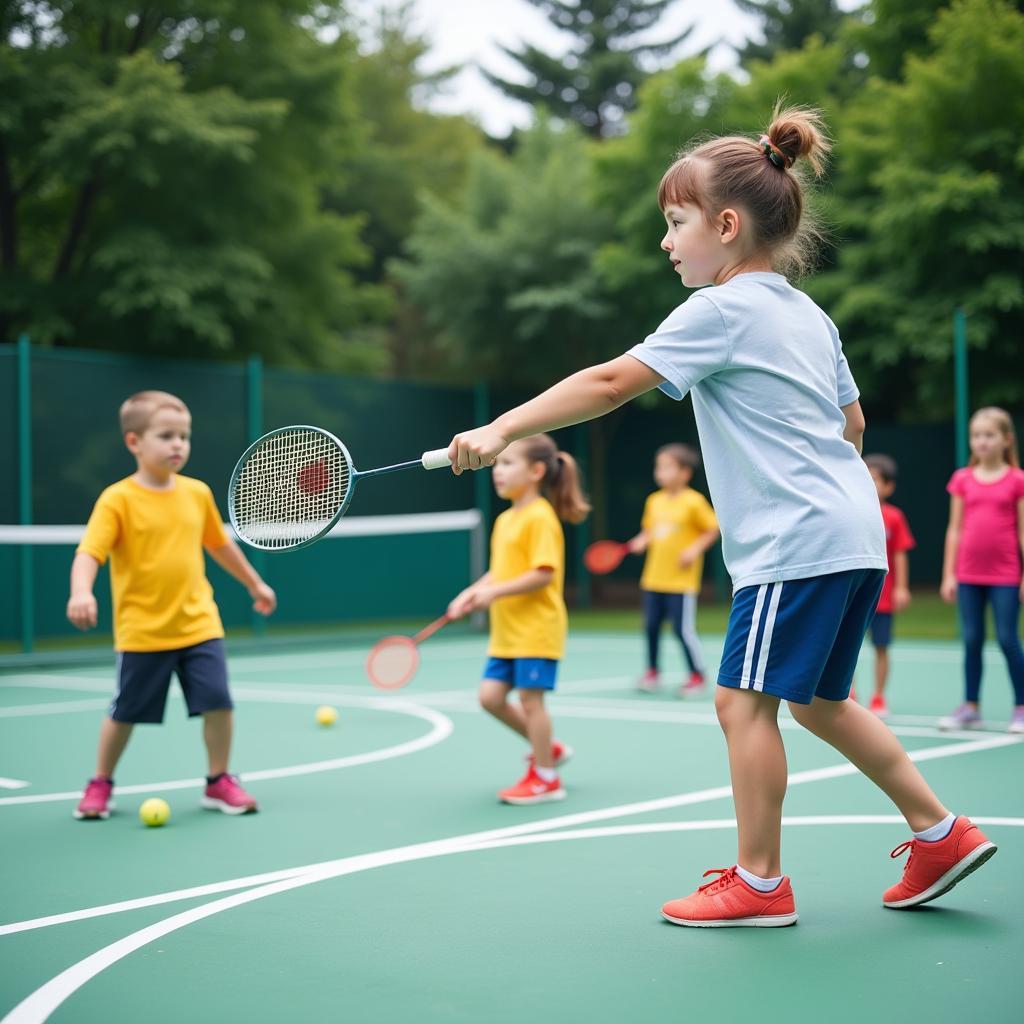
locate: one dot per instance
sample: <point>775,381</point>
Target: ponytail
<point>562,484</point>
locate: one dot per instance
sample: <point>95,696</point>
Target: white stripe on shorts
<point>117,693</point>
<point>766,639</point>
<point>748,658</point>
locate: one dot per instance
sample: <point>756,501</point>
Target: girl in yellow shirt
<point>523,590</point>
<point>678,526</point>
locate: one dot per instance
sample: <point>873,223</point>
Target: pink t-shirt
<point>989,550</point>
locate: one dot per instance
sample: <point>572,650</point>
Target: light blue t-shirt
<point>768,376</point>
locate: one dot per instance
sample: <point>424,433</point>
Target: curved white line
<point>441,729</point>
<point>37,1007</point>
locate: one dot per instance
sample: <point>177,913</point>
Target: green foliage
<point>596,82</point>
<point>788,24</point>
<point>506,273</point>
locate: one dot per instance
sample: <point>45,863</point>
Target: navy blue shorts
<point>800,639</point>
<point>524,673</point>
<point>144,677</point>
<point>881,629</point>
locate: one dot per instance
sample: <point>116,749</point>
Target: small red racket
<point>604,556</point>
<point>394,659</point>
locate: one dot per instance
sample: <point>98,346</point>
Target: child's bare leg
<point>757,765</point>
<point>859,736</point>
<point>538,726</point>
<point>114,738</point>
<point>881,669</point>
<point>494,700</point>
<point>217,729</point>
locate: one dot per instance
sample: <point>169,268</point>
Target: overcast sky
<point>469,32</point>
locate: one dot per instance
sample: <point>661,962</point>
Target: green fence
<point>63,419</point>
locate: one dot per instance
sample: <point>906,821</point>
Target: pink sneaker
<point>648,682</point>
<point>693,687</point>
<point>96,801</point>
<point>228,796</point>
<point>561,752</point>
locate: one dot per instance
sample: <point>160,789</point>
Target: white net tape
<point>290,488</point>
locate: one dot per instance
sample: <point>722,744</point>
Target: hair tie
<point>774,154</point>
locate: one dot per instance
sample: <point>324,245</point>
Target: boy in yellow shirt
<point>678,526</point>
<point>154,525</point>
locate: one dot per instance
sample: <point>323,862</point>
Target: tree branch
<point>83,206</point>
<point>8,222</point>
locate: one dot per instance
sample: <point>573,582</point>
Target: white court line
<point>13,783</point>
<point>40,1005</point>
<point>527,828</point>
<point>62,707</point>
<point>441,729</point>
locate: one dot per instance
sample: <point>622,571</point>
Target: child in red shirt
<point>895,594</point>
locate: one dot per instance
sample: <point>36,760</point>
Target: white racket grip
<point>437,459</point>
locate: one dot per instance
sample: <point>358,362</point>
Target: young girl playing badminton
<point>523,590</point>
<point>982,565</point>
<point>780,427</point>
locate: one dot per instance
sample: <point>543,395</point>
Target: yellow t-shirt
<point>155,540</point>
<point>528,625</point>
<point>673,522</point>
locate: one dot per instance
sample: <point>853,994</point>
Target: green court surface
<point>382,881</point>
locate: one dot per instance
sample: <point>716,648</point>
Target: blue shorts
<point>800,639</point>
<point>881,629</point>
<point>144,677</point>
<point>524,673</point>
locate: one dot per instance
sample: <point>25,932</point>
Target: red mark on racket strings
<point>314,478</point>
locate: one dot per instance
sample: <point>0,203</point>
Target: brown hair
<point>138,410</point>
<point>1004,424</point>
<point>884,465</point>
<point>737,170</point>
<point>561,483</point>
<point>683,454</point>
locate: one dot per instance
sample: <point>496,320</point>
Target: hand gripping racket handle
<point>437,459</point>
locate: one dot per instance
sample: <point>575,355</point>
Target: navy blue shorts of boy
<point>524,673</point>
<point>881,629</point>
<point>800,639</point>
<point>144,677</point>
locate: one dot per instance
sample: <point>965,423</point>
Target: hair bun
<point>799,132</point>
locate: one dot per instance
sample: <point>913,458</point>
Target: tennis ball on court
<point>326,715</point>
<point>154,812</point>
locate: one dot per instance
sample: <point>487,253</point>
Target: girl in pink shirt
<point>982,562</point>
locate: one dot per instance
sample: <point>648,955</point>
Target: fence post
<point>483,490</point>
<point>583,452</point>
<point>963,409</point>
<point>254,428</point>
<point>26,553</point>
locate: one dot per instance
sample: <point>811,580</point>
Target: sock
<point>546,774</point>
<point>213,779</point>
<point>937,832</point>
<point>757,882</point>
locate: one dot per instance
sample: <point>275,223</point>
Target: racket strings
<point>290,488</point>
<point>392,663</point>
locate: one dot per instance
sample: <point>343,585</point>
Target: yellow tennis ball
<point>326,715</point>
<point>154,812</point>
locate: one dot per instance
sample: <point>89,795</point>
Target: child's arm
<point>690,554</point>
<point>638,544</point>
<point>533,579</point>
<point>855,424</point>
<point>82,604</point>
<point>901,581</point>
<point>462,603</point>
<point>230,558</point>
<point>956,518</point>
<point>583,396</point>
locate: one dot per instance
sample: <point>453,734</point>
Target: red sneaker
<point>728,902</point>
<point>878,706</point>
<point>227,795</point>
<point>96,801</point>
<point>532,789</point>
<point>561,752</point>
<point>693,687</point>
<point>934,868</point>
<point>648,682</point>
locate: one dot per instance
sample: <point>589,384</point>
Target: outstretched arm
<point>583,396</point>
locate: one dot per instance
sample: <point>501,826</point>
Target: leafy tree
<point>788,24</point>
<point>161,176</point>
<point>596,82</point>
